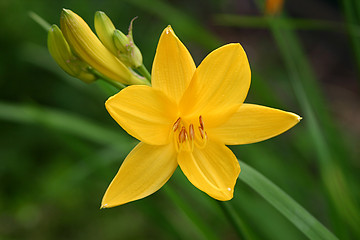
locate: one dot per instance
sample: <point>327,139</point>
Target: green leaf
<point>301,218</point>
<point>64,121</point>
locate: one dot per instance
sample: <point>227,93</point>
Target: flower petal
<point>253,123</point>
<point>213,169</point>
<point>144,171</point>
<point>145,113</point>
<point>221,81</point>
<point>173,65</point>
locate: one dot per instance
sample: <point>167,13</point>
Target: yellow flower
<point>186,118</point>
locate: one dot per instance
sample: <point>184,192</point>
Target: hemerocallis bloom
<point>186,119</point>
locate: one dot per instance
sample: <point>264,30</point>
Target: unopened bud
<point>121,45</point>
<point>121,41</point>
<point>89,48</point>
<point>64,57</point>
<point>105,31</point>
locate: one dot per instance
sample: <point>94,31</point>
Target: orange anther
<point>182,135</point>
<point>176,124</point>
<point>201,122</point>
<point>202,134</point>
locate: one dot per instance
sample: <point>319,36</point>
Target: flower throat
<point>185,137</point>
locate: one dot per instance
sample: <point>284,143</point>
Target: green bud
<point>121,45</point>
<point>136,56</point>
<point>64,57</point>
<point>121,42</point>
<point>105,30</point>
<point>129,53</point>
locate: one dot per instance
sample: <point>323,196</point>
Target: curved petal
<point>145,113</point>
<point>253,123</point>
<point>144,171</point>
<point>173,65</point>
<point>221,81</point>
<point>213,169</point>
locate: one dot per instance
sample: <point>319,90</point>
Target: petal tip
<point>226,195</point>
<point>168,30</point>
<point>103,206</point>
<point>66,11</point>
<point>297,117</point>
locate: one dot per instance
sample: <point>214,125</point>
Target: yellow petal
<point>89,48</point>
<point>253,123</point>
<point>173,65</point>
<point>220,82</point>
<point>213,169</point>
<point>145,113</point>
<point>145,170</point>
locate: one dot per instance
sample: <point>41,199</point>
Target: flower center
<point>185,136</point>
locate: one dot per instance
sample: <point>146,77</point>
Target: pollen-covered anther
<point>176,124</point>
<point>202,133</point>
<point>201,122</point>
<point>183,136</point>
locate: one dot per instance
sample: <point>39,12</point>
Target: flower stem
<point>39,20</point>
<point>233,218</point>
<point>118,85</point>
<point>144,72</point>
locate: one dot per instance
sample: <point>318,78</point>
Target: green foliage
<point>59,148</point>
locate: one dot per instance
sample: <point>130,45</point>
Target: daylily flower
<point>186,118</point>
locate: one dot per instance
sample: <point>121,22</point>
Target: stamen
<point>191,132</point>
<point>201,122</point>
<point>182,135</point>
<point>176,124</point>
<point>201,130</point>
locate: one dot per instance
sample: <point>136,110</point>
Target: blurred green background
<point>59,148</point>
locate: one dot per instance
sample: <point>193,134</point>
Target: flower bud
<point>105,31</point>
<point>129,52</point>
<point>117,42</point>
<point>89,48</point>
<point>121,42</point>
<point>64,57</point>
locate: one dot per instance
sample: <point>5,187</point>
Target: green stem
<point>351,22</point>
<point>293,211</point>
<point>106,79</point>
<point>233,218</point>
<point>39,20</point>
<point>202,228</point>
<point>333,177</point>
<point>144,72</point>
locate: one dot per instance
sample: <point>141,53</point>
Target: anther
<point>182,135</point>
<point>202,134</point>
<point>191,132</point>
<point>176,124</point>
<point>201,122</point>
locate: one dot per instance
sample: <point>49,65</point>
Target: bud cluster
<point>111,55</point>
